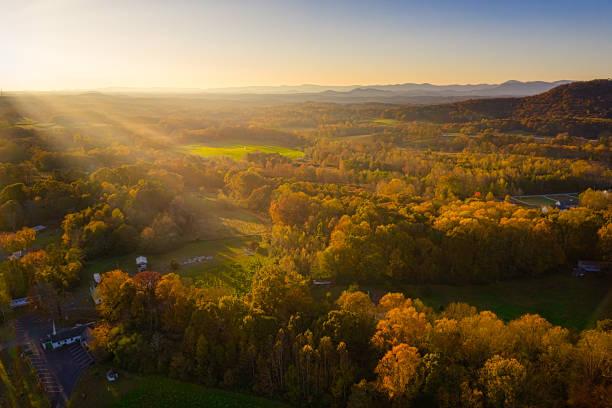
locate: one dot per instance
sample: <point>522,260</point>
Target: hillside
<point>579,108</point>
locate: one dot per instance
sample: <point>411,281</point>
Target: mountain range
<point>410,93</point>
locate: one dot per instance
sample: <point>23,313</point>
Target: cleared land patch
<point>561,299</point>
<point>543,199</point>
<point>221,231</point>
<point>388,122</point>
<point>132,390</point>
<point>237,151</point>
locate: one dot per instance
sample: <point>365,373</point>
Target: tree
<point>593,368</point>
<point>18,241</point>
<point>280,292</point>
<point>399,372</point>
<point>503,380</point>
<point>12,213</point>
<point>595,200</point>
<point>112,290</point>
<point>605,241</point>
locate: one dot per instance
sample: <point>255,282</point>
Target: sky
<point>86,44</point>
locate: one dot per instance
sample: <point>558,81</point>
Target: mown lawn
<point>562,299</point>
<point>237,151</point>
<point>132,390</point>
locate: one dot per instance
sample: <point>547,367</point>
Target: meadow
<point>388,122</point>
<point>542,200</point>
<point>221,231</point>
<point>132,390</point>
<point>237,151</point>
<point>562,299</point>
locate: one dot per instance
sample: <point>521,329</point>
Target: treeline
<point>279,342</point>
<point>352,236</point>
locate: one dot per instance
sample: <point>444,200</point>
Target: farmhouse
<point>59,338</point>
<point>141,263</point>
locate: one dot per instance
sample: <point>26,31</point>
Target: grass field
<point>230,267</point>
<point>562,299</point>
<point>542,200</point>
<point>132,390</point>
<point>388,122</point>
<point>237,151</point>
<point>46,237</point>
<point>216,218</point>
<point>222,231</point>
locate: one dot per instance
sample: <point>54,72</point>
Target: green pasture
<point>132,390</point>
<point>542,200</point>
<point>237,151</point>
<point>388,122</point>
<point>562,299</point>
<point>222,231</point>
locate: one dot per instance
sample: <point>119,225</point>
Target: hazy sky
<point>62,44</point>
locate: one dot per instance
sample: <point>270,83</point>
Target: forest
<point>310,308</point>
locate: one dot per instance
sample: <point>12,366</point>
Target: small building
<point>62,337</point>
<point>321,282</point>
<point>566,204</point>
<point>141,263</point>
<point>24,301</point>
<point>591,267</point>
<point>17,255</point>
<point>112,375</point>
<point>20,302</point>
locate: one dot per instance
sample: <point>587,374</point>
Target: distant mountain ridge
<point>394,93</point>
<point>579,108</point>
<point>508,87</point>
<point>411,93</point>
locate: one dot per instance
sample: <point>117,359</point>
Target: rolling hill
<point>579,108</point>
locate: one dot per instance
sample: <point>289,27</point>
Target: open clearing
<point>236,151</point>
<point>222,231</point>
<point>543,200</point>
<point>388,122</point>
<point>132,390</point>
<point>561,299</point>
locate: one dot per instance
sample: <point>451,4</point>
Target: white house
<point>141,263</point>
<point>62,337</point>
